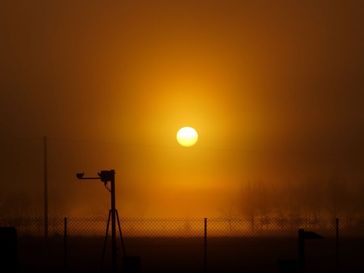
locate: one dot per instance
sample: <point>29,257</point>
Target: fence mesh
<point>178,245</point>
<point>179,227</point>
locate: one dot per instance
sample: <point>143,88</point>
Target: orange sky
<point>274,89</point>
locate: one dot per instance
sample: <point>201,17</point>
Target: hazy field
<point>249,254</point>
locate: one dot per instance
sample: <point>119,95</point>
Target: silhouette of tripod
<point>108,176</point>
<point>107,233</point>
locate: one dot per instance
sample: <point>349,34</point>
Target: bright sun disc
<point>187,136</point>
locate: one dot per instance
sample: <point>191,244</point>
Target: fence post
<point>65,246</point>
<point>252,222</point>
<point>205,247</point>
<point>337,263</point>
<point>301,250</point>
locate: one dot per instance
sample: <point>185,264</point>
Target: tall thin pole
<point>45,189</point>
<point>113,224</point>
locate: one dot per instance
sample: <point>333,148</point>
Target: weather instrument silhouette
<point>108,176</point>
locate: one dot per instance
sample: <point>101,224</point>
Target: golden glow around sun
<point>187,136</point>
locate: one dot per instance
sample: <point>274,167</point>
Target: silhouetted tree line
<point>311,198</point>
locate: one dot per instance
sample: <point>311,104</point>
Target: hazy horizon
<point>275,91</point>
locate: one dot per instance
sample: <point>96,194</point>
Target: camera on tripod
<point>104,175</point>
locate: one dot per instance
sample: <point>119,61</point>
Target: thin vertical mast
<point>45,189</point>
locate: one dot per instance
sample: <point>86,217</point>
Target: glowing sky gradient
<point>275,90</point>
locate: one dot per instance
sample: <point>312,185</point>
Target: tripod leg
<point>121,235</point>
<point>105,241</point>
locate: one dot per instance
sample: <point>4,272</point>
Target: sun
<point>187,136</point>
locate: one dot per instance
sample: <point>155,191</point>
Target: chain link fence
<point>180,245</point>
<point>180,227</point>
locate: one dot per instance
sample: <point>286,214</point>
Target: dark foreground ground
<point>173,255</point>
